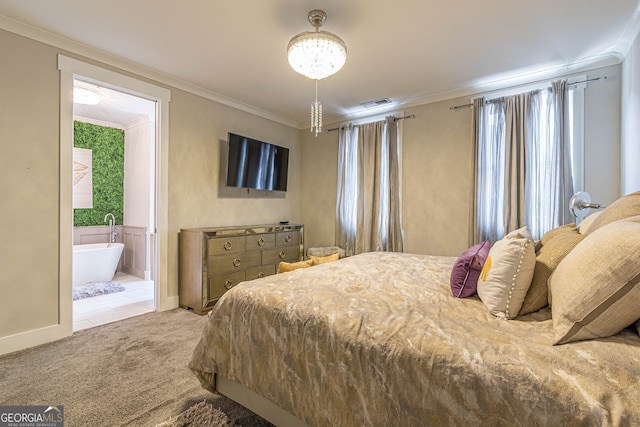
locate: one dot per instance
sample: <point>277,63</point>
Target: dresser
<point>213,260</point>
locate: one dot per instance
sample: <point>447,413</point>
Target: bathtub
<point>95,262</point>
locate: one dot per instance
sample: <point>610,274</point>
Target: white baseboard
<point>22,340</point>
<point>27,339</point>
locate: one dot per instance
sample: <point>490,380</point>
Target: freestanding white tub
<point>95,262</point>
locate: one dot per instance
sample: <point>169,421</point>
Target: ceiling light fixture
<point>316,55</point>
<point>86,95</point>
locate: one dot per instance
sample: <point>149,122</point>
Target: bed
<point>378,339</point>
<point>551,337</point>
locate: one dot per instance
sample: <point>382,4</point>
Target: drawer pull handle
<point>287,238</point>
<point>228,284</point>
<point>236,262</point>
<point>260,241</point>
<point>227,245</point>
<point>260,275</point>
<point>282,255</point>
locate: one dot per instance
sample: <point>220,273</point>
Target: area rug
<point>216,412</point>
<point>201,414</point>
<point>96,288</point>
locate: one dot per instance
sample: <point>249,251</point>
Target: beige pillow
<point>638,326</point>
<point>586,223</point>
<point>563,229</point>
<point>284,267</point>
<point>547,259</point>
<point>624,207</point>
<point>596,288</point>
<point>322,259</point>
<point>507,274</point>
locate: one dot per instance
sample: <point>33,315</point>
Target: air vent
<point>376,103</point>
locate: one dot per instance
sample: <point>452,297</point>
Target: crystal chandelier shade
<point>317,54</point>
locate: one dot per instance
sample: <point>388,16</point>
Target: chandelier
<point>316,55</point>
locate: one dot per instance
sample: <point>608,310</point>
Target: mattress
<point>377,339</point>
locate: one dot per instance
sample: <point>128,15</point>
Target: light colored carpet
<point>133,372</point>
<point>96,288</point>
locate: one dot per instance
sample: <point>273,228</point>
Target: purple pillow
<point>467,269</point>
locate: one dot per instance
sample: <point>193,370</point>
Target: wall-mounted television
<point>256,164</point>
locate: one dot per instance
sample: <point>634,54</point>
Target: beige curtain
<point>368,214</point>
<point>476,179</point>
<point>516,112</point>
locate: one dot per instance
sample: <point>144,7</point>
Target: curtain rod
<point>395,119</point>
<point>457,107</point>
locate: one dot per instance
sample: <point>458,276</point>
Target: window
<point>528,160</point>
<point>368,194</point>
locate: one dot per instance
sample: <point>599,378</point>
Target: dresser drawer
<point>218,285</point>
<point>228,263</point>
<point>224,245</point>
<point>287,253</point>
<point>285,238</point>
<point>260,241</point>
<point>260,271</point>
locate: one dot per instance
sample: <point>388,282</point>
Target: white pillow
<point>507,274</point>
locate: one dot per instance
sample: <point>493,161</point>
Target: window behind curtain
<point>543,206</point>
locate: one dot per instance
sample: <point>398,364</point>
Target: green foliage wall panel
<point>107,145</point>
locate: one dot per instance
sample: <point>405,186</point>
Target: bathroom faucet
<point>112,228</point>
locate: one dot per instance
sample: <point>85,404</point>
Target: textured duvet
<point>377,339</point>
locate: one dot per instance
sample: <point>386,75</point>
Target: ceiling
<point>410,51</point>
<point>114,108</point>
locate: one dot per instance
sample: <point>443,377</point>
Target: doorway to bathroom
<point>155,239</point>
<point>113,203</point>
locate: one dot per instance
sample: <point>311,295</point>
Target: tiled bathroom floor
<point>136,299</point>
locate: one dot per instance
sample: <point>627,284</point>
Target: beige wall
<point>318,194</point>
<point>602,137</point>
<point>436,178</point>
<point>437,168</point>
<point>29,185</point>
<point>197,197</point>
<point>631,120</point>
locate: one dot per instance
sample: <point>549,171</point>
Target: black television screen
<point>256,164</point>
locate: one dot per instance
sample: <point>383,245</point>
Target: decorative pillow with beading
<point>507,273</point>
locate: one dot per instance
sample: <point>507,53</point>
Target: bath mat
<point>96,288</point>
